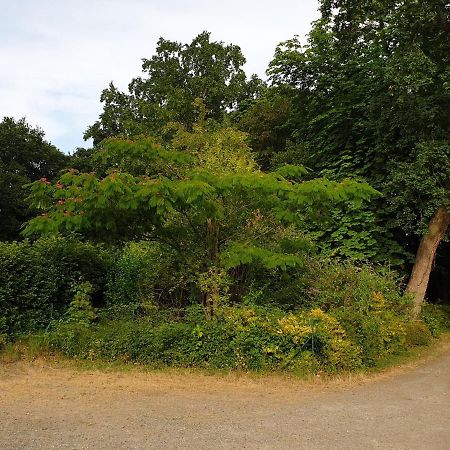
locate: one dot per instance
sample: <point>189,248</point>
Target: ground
<point>46,406</point>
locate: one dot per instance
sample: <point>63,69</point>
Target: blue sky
<point>57,55</point>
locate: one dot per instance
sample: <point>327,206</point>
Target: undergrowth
<point>250,338</point>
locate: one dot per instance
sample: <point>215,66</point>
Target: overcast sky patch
<point>57,56</point>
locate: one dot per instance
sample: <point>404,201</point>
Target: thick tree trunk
<point>417,285</point>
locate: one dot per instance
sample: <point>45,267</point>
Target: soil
<point>43,406</point>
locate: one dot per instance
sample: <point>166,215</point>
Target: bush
<point>144,273</point>
<point>417,333</point>
<point>341,318</point>
<point>331,285</point>
<point>377,334</point>
<point>80,310</point>
<point>436,317</point>
<point>36,280</point>
<point>328,285</point>
<point>246,338</point>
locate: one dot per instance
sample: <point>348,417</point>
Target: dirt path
<point>43,407</point>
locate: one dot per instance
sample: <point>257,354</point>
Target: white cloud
<point>58,55</point>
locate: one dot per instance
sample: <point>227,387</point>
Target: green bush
<point>378,334</point>
<point>80,310</point>
<point>144,273</point>
<point>246,338</point>
<point>365,301</point>
<point>332,285</point>
<point>436,317</point>
<point>328,285</point>
<point>417,333</point>
<point>336,317</point>
<point>36,280</point>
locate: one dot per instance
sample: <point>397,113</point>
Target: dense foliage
<point>37,281</point>
<point>24,156</point>
<point>222,222</point>
<point>175,77</point>
<point>355,319</point>
<point>201,196</point>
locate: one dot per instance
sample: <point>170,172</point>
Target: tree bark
<point>417,285</point>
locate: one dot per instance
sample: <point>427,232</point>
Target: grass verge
<point>30,355</point>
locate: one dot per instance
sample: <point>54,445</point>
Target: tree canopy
<point>24,156</point>
<point>369,98</point>
<point>172,79</point>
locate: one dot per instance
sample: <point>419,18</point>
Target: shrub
<point>328,285</point>
<point>80,310</point>
<point>246,338</point>
<point>436,318</point>
<point>144,273</point>
<point>377,333</point>
<point>366,302</point>
<point>417,333</point>
<point>332,285</point>
<point>36,279</point>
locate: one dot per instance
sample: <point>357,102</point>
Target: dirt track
<point>43,407</point>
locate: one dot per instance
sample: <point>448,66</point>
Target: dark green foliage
<point>424,178</point>
<point>83,161</point>
<point>436,317</point>
<point>266,120</point>
<point>334,317</point>
<point>328,284</point>
<point>247,338</point>
<point>349,318</point>
<point>202,198</point>
<point>24,157</point>
<point>146,273</point>
<point>37,280</point>
<point>174,78</point>
<point>370,97</point>
<point>417,333</point>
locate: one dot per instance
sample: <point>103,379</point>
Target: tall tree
<point>24,156</point>
<point>373,93</point>
<point>172,79</point>
<point>202,194</point>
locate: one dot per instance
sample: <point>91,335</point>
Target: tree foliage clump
<point>173,78</point>
<point>370,99</point>
<point>24,157</point>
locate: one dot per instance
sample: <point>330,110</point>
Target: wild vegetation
<point>226,222</point>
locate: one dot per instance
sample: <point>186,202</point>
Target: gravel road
<point>48,407</point>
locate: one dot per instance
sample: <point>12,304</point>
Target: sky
<point>57,56</point>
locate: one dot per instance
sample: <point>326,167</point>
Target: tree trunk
<point>417,285</point>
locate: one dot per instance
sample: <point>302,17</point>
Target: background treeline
<point>227,221</point>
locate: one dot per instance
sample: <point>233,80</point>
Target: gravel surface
<point>48,407</point>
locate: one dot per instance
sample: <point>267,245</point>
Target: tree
<point>373,89</point>
<point>173,78</point>
<point>24,156</point>
<point>202,194</point>
<point>266,120</point>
